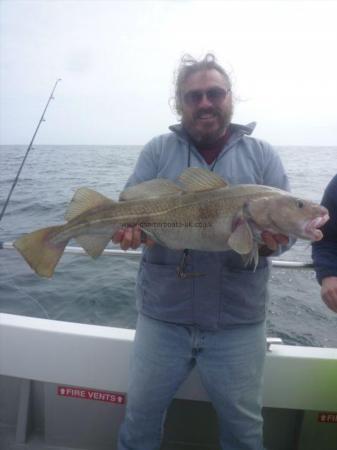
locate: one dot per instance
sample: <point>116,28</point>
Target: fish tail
<point>40,252</point>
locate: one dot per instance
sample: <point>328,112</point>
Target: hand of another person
<point>329,292</point>
<point>131,237</point>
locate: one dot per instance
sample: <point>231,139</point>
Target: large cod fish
<point>201,212</point>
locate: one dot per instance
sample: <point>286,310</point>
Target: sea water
<point>102,291</point>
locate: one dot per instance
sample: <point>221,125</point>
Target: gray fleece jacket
<point>229,293</point>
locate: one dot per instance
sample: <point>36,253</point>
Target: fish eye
<point>299,203</point>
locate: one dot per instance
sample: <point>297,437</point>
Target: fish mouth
<point>312,230</point>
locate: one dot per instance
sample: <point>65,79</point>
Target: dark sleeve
<point>324,252</point>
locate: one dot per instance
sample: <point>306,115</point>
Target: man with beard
<point>203,309</point>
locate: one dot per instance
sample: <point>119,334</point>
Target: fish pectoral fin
<point>241,240</point>
<point>83,200</point>
<point>196,179</point>
<point>252,257</point>
<point>93,245</point>
<point>157,187</point>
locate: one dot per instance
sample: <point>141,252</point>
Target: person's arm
<point>324,252</point>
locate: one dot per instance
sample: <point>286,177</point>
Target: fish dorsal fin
<point>197,179</point>
<point>85,199</point>
<point>241,239</point>
<point>157,187</point>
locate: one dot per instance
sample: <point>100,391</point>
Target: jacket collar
<point>236,130</point>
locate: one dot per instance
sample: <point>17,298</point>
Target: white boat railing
<point>136,253</point>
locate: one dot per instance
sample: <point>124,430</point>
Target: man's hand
<point>271,241</point>
<point>329,292</point>
<point>131,237</point>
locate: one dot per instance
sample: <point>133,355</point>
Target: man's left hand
<point>272,241</point>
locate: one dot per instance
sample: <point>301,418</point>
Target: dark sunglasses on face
<point>214,95</point>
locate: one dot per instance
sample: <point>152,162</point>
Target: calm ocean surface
<point>102,291</point>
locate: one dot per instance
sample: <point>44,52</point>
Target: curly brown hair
<point>189,65</point>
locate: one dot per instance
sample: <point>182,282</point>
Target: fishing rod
<point>136,253</point>
<point>42,119</point>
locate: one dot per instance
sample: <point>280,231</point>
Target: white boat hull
<point>69,386</point>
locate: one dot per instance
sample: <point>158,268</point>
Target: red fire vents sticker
<point>90,394</point>
<point>327,417</point>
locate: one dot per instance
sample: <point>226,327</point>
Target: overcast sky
<point>117,58</point>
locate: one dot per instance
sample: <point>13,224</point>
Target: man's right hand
<point>131,237</point>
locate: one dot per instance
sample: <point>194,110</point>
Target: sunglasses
<point>214,95</point>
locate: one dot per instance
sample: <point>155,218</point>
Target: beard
<point>207,134</point>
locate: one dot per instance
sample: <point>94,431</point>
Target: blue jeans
<point>230,363</point>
